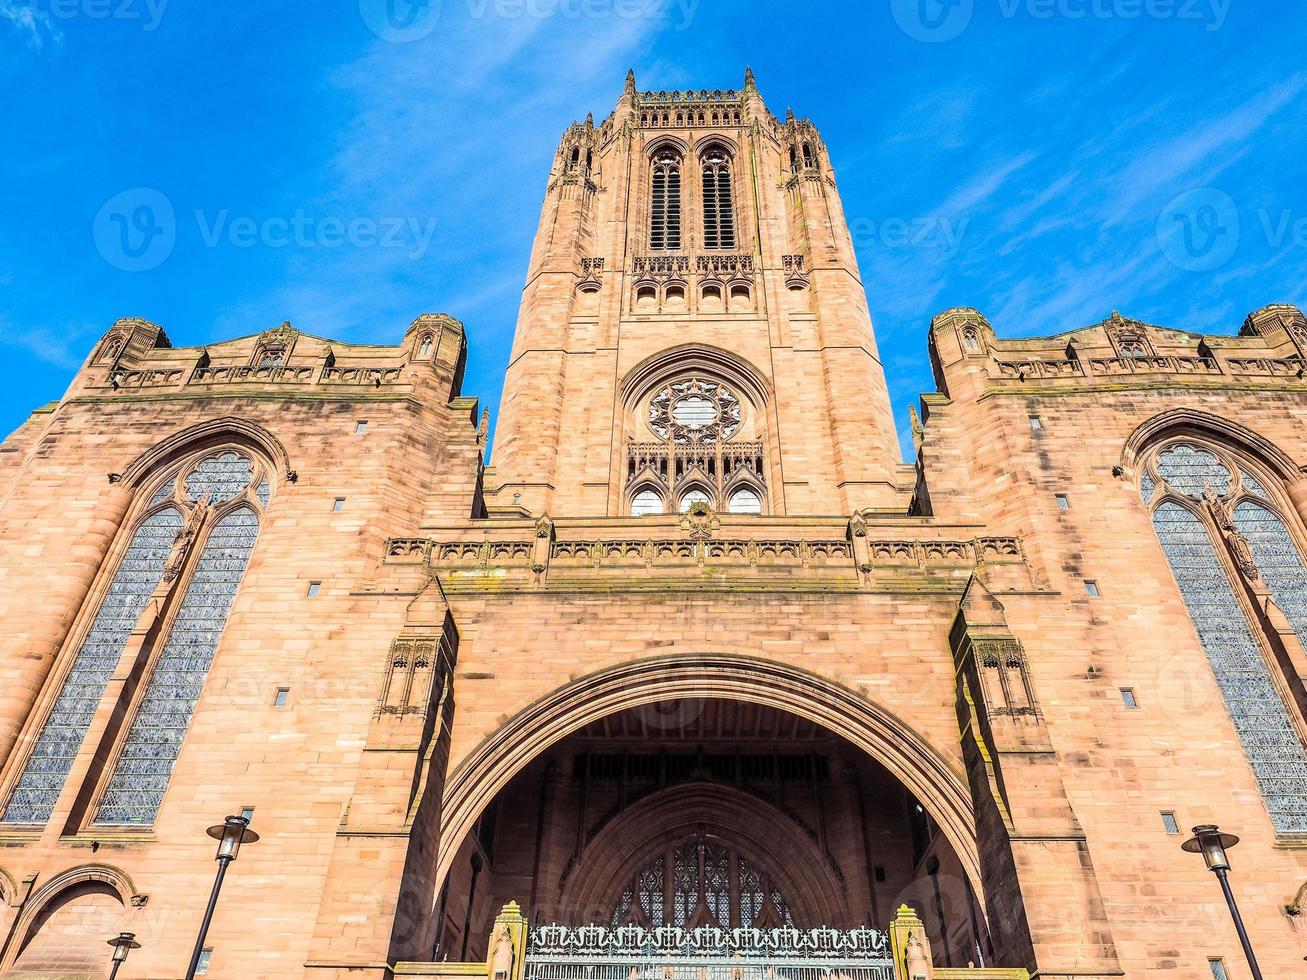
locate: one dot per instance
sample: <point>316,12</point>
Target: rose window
<point>696,410</point>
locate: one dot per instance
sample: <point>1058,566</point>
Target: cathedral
<point>694,678</point>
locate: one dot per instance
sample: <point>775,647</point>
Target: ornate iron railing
<point>556,952</point>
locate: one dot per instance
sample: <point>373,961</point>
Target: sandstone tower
<point>694,222</point>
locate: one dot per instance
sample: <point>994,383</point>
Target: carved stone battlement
<point>678,545</point>
<point>1271,345</point>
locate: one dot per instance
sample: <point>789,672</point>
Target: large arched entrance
<point>721,792</point>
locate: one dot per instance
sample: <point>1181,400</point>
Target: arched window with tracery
<point>646,503</point>
<point>189,544</point>
<point>665,202</point>
<point>696,437</point>
<point>1225,536</point>
<point>711,884</point>
<point>718,204</point>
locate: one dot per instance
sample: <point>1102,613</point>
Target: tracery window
<point>270,357</point>
<point>695,410</point>
<point>645,503</point>
<point>1221,533</point>
<point>718,207</point>
<point>188,552</point>
<point>711,884</point>
<point>665,202</point>
<point>139,573</point>
<point>745,502</point>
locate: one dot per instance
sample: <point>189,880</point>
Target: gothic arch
<point>666,142</point>
<point>909,758</point>
<point>704,143</point>
<point>172,448</point>
<point>807,877</point>
<point>1200,424</point>
<point>665,365</point>
<point>114,879</point>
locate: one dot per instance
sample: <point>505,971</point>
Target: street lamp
<point>122,944</point>
<point>1212,845</point>
<point>230,835</point>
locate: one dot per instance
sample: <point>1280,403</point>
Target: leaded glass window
<point>165,492</point>
<point>1251,485</point>
<point>221,477</point>
<point>665,203</point>
<point>718,209</point>
<point>1189,471</point>
<point>646,502</point>
<point>1194,536</point>
<point>1278,559</point>
<point>144,767</point>
<point>138,575</point>
<point>711,884</point>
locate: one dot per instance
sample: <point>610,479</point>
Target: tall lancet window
<point>718,209</point>
<point>138,576</point>
<point>222,491</point>
<point>1224,536</point>
<point>176,579</point>
<point>665,202</point>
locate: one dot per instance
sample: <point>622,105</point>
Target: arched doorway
<point>712,812</point>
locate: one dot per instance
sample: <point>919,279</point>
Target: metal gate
<point>556,952</point>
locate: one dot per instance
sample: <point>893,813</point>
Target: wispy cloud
<point>35,26</point>
<point>61,347</point>
<point>1202,152</point>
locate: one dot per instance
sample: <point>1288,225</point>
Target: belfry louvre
<point>694,678</point>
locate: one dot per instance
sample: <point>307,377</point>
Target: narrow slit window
<point>1091,588</point>
<point>1063,502</point>
<point>283,697</point>
<point>1128,697</point>
<point>1036,423</point>
<point>1169,823</point>
<point>314,589</point>
<point>338,505</point>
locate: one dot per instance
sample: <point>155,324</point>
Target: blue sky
<point>348,166</point>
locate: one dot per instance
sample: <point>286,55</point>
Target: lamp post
<point>122,944</point>
<point>230,835</point>
<point>1212,845</point>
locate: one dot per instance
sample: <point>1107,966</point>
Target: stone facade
<point>697,650</point>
